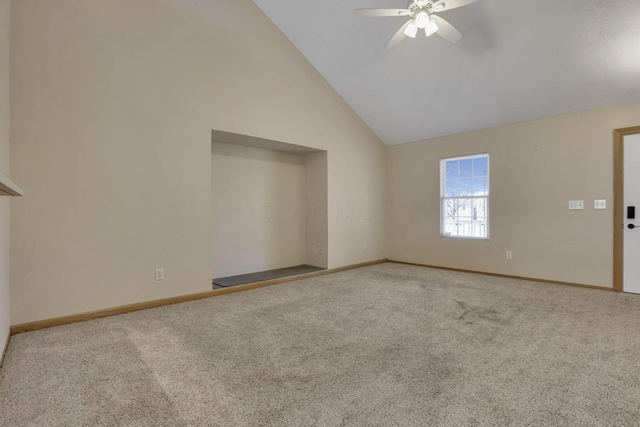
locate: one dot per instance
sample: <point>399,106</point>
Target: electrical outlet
<point>599,204</point>
<point>576,204</point>
<point>159,273</point>
<point>509,255</point>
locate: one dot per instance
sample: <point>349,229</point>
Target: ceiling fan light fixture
<point>411,30</point>
<point>431,28</point>
<point>422,19</point>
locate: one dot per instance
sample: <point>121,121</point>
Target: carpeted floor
<point>386,345</point>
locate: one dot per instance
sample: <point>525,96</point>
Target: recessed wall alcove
<point>269,208</point>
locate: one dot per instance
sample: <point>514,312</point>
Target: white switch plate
<point>159,273</point>
<point>599,204</point>
<point>509,255</point>
<point>576,204</point>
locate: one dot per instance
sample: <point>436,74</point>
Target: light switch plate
<point>576,204</point>
<point>599,204</point>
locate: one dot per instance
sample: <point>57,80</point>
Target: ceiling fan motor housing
<point>426,5</point>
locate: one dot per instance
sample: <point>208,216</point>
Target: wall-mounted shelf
<point>8,187</point>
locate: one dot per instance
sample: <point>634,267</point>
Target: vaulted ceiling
<point>519,60</point>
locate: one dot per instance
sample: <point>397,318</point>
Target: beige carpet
<point>384,345</point>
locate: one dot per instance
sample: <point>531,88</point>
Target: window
<point>464,196</point>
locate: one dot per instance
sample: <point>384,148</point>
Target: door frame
<point>618,204</point>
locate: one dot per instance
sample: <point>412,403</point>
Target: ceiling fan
<point>422,16</point>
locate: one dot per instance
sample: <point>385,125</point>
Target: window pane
<point>450,210</point>
<point>480,209</point>
<point>450,217</point>
<point>464,208</point>
<point>465,168</point>
<point>480,166</point>
<point>465,187</point>
<point>451,188</point>
<point>480,186</point>
<point>460,214</point>
<point>452,169</point>
<point>449,228</point>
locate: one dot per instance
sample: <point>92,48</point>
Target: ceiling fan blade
<point>446,30</point>
<point>399,36</point>
<point>450,4</point>
<point>381,12</point>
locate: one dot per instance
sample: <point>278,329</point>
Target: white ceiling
<point>519,60</point>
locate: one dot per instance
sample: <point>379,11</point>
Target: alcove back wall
<point>259,201</point>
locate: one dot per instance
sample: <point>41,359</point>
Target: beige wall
<point>316,209</point>
<point>5,6</point>
<point>259,199</point>
<point>112,109</point>
<point>536,168</point>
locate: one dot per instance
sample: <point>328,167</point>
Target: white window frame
<point>443,198</point>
